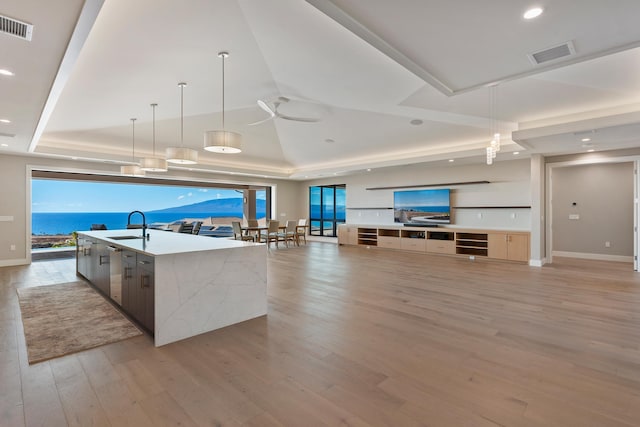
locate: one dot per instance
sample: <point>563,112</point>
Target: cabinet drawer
<point>389,242</point>
<point>413,244</point>
<point>441,246</point>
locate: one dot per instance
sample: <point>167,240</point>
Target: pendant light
<point>154,164</point>
<point>133,169</point>
<point>182,155</point>
<point>494,145</point>
<point>222,141</point>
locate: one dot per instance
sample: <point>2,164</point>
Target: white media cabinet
<point>493,244</point>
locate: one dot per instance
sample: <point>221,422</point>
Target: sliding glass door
<point>326,209</point>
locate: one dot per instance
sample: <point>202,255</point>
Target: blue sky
<point>421,198</point>
<point>80,196</point>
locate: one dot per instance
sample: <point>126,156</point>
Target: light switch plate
<point>574,216</point>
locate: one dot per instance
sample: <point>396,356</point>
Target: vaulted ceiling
<point>364,69</point>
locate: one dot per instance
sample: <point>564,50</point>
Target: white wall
<point>509,186</point>
<point>16,200</point>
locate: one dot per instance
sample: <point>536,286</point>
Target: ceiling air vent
<point>7,135</point>
<point>552,53</point>
<point>15,28</point>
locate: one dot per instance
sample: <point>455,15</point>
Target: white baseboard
<point>12,262</point>
<point>601,257</point>
<point>537,262</point>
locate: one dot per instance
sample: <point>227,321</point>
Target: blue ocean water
<point>67,222</point>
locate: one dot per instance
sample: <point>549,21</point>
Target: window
<point>326,209</point>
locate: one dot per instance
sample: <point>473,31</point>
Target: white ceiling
<point>364,68</point>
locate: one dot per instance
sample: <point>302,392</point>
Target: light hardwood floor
<point>358,337</point>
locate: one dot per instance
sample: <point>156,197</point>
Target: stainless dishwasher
<point>115,274</point>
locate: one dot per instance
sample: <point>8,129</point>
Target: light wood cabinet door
<point>497,245</point>
<point>518,247</point>
<point>514,247</point>
<point>347,235</point>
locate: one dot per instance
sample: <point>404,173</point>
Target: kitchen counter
<point>164,242</point>
<point>200,283</point>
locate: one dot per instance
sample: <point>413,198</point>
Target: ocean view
<point>51,223</point>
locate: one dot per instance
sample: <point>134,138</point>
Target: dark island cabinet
<point>138,288</point>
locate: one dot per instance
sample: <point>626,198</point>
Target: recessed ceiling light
<point>515,153</point>
<point>369,170</point>
<point>451,160</point>
<point>5,72</point>
<point>585,139</point>
<point>591,150</point>
<point>4,145</point>
<point>74,158</point>
<point>534,12</point>
<point>5,121</point>
<point>416,122</point>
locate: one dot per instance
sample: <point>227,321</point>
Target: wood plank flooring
<point>358,337</point>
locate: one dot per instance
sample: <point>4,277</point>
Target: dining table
<point>248,230</point>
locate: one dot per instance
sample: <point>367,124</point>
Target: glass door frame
<point>321,222</point>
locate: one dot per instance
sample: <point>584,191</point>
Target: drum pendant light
<point>222,141</point>
<point>154,164</point>
<point>182,155</point>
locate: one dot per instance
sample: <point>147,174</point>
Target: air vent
<point>552,53</point>
<point>7,135</point>
<point>15,28</point>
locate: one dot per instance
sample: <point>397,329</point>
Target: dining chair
<point>237,232</point>
<point>272,233</point>
<point>301,230</point>
<point>290,233</point>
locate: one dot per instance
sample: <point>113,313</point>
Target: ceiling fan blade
<point>261,121</point>
<point>266,107</point>
<point>298,119</point>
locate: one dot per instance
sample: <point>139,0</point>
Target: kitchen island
<point>176,285</point>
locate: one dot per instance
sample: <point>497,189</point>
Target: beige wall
<point>509,186</point>
<point>603,197</point>
<point>16,199</point>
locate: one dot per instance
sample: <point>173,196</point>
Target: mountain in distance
<point>230,206</point>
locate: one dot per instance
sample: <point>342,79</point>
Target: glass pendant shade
<point>222,141</point>
<point>131,170</point>
<point>153,164</point>
<point>182,156</point>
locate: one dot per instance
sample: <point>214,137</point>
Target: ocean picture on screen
<point>422,206</point>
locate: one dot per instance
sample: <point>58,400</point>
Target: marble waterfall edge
<point>197,292</point>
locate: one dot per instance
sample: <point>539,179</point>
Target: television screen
<point>421,206</point>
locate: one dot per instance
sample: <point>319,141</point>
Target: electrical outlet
<point>607,244</point>
<point>574,216</point>
<point>479,215</point>
<point>472,257</point>
<point>13,247</point>
<point>513,215</point>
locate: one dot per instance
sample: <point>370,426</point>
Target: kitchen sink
<point>124,237</point>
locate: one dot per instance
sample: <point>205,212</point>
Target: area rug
<point>67,318</point>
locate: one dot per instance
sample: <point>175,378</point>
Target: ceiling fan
<point>274,114</point>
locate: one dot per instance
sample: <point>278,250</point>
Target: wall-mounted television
<point>422,206</point>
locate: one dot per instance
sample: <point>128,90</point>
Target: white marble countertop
<point>165,242</point>
<point>440,227</point>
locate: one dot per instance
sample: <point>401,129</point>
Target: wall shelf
<point>490,207</point>
<point>363,209</point>
<point>444,184</point>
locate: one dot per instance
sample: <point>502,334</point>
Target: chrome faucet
<point>144,222</point>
